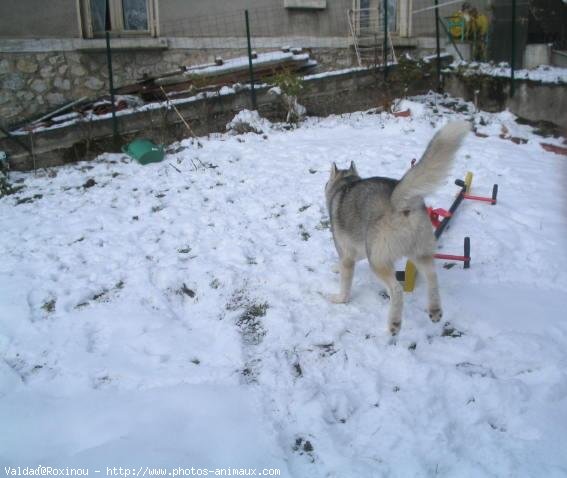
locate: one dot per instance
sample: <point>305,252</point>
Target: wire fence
<point>346,33</point>
<point>549,20</point>
<point>515,34</point>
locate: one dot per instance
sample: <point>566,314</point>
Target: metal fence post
<point>111,86</point>
<point>437,46</point>
<point>375,54</point>
<point>513,59</point>
<point>385,40</point>
<point>250,67</point>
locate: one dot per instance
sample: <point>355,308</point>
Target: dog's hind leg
<point>346,268</point>
<point>388,275</point>
<point>426,266</point>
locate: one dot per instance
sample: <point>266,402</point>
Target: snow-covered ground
<point>543,73</point>
<point>173,314</point>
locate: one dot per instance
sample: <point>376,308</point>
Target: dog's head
<point>340,174</point>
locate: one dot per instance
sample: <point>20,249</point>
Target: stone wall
<point>333,93</point>
<point>33,83</point>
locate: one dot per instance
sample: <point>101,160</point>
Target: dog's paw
<point>394,327</point>
<point>337,298</point>
<point>435,314</point>
<point>336,269</point>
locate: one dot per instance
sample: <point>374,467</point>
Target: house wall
<point>59,18</point>
<point>210,18</point>
<point>39,19</point>
<point>268,18</point>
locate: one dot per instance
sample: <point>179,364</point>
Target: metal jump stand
<point>408,275</point>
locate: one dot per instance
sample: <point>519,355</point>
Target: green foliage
<point>408,71</point>
<point>289,82</point>
<point>5,187</point>
<point>291,86</point>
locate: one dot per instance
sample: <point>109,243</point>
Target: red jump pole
<point>491,200</point>
<point>451,257</point>
<point>466,257</point>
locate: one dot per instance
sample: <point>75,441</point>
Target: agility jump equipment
<point>440,218</point>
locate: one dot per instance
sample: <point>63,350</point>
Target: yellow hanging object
<point>481,24</point>
<point>457,25</point>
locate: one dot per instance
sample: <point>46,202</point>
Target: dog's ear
<point>352,168</point>
<point>334,170</point>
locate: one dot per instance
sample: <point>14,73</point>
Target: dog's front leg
<point>346,269</point>
<point>388,275</point>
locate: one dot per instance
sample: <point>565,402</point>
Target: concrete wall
<point>559,58</point>
<point>540,102</point>
<point>533,101</point>
<point>537,54</point>
<point>38,19</point>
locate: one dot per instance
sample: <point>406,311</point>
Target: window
<point>121,17</point>
<point>364,13</point>
<point>392,6</point>
<point>135,15</point>
<point>371,14</point>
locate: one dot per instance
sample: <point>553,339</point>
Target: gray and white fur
<point>384,219</point>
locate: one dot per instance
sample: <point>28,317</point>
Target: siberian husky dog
<point>384,219</point>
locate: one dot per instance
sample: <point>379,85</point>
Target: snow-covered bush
<point>247,121</point>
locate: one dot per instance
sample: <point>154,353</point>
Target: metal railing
<point>371,40</point>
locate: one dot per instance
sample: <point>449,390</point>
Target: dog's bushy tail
<point>433,167</point>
